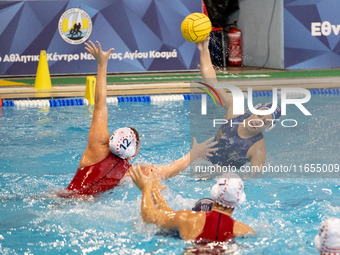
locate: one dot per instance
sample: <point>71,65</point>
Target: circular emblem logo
<point>75,26</point>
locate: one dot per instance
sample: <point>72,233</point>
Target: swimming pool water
<point>41,149</point>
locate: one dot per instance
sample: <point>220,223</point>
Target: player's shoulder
<point>189,215</point>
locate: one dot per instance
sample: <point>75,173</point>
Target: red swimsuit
<point>217,227</point>
<point>100,177</point>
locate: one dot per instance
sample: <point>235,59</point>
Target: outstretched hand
<point>101,56</point>
<point>140,179</point>
<point>203,149</point>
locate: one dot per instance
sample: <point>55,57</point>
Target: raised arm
<point>189,224</point>
<point>150,213</point>
<point>207,69</point>
<point>98,138</point>
<point>159,200</point>
<point>197,151</point>
<point>209,76</point>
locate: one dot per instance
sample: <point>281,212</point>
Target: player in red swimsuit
<point>216,225</point>
<point>106,159</point>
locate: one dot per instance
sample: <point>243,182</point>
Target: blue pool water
<point>41,149</point>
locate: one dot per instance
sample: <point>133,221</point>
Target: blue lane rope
<point>134,99</point>
<point>65,102</point>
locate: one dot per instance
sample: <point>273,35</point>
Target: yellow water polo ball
<point>196,27</point>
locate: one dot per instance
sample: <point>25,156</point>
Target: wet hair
<point>136,133</point>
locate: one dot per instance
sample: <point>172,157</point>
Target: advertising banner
<point>146,35</point>
<point>311,34</point>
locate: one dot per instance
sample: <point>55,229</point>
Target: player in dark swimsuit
<point>215,225</point>
<point>106,159</point>
<point>239,143</point>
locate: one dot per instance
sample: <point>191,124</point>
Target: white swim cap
<point>229,191</point>
<point>327,241</point>
<point>123,143</point>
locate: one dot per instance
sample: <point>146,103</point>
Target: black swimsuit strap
<point>218,226</point>
<point>107,173</point>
